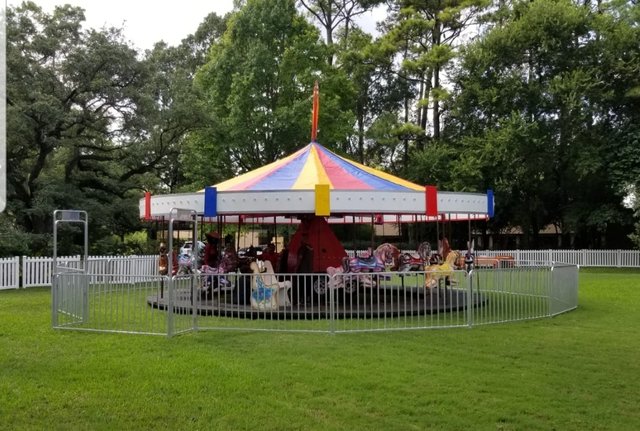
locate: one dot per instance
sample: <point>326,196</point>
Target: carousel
<point>312,190</point>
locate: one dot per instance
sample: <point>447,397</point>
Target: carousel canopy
<point>312,165</point>
<point>316,181</point>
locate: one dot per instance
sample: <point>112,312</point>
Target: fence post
<point>332,308</point>
<point>54,301</point>
<point>470,299</point>
<point>550,291</point>
<point>619,258</point>
<point>25,272</point>
<point>195,288</point>
<point>16,274</point>
<point>170,305</point>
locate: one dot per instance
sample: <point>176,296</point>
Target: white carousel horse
<point>267,292</point>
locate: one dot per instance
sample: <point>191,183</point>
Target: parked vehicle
<point>245,251</point>
<point>187,248</point>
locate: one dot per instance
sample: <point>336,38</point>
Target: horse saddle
<point>368,262</point>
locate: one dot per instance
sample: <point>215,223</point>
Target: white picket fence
<point>597,258</point>
<point>37,271</point>
<point>9,273</point>
<point>16,272</point>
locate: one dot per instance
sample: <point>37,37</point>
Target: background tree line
<point>538,100</point>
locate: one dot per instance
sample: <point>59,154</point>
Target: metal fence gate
<point>69,290</point>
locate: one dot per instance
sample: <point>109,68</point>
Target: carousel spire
<point>314,113</point>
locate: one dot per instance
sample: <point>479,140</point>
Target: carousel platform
<point>369,303</point>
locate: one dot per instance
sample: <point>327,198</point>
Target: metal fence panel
<point>69,299</point>
<point>344,302</point>
<point>563,292</point>
<point>396,301</point>
<point>512,294</point>
<point>287,302</point>
<point>100,302</point>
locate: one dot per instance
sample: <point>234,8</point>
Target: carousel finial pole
<point>314,113</point>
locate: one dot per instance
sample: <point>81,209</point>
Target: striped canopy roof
<point>312,165</point>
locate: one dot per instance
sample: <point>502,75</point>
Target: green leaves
<point>258,83</point>
<point>87,119</point>
<point>535,116</point>
<point>543,106</point>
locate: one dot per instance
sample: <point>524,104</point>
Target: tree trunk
<point>405,138</point>
<point>437,40</point>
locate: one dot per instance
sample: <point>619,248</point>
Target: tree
<point>423,33</point>
<point>533,118</point>
<point>635,204</point>
<point>176,110</point>
<point>88,122</point>
<point>336,14</point>
<point>258,84</point>
<point>71,107</point>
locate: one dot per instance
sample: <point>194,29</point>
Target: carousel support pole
<point>431,206</point>
<point>372,245</point>
<point>353,236</point>
<point>275,232</point>
<point>469,233</point>
<point>438,234</point>
<point>468,259</point>
<point>238,235</point>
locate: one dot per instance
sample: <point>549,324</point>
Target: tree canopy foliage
<point>538,100</point>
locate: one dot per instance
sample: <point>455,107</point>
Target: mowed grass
<point>577,371</point>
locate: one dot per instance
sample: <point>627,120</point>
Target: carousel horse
<point>434,273</point>
<point>383,257</point>
<point>185,264</point>
<point>412,262</point>
<point>229,261</point>
<point>212,275</point>
<point>350,282</point>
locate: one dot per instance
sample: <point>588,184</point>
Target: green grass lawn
<point>577,371</point>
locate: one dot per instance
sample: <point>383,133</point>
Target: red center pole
<point>314,113</point>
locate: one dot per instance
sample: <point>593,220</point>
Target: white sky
<point>148,22</point>
<point>144,22</point>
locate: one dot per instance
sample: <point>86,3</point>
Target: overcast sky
<point>144,22</point>
<point>147,22</point>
